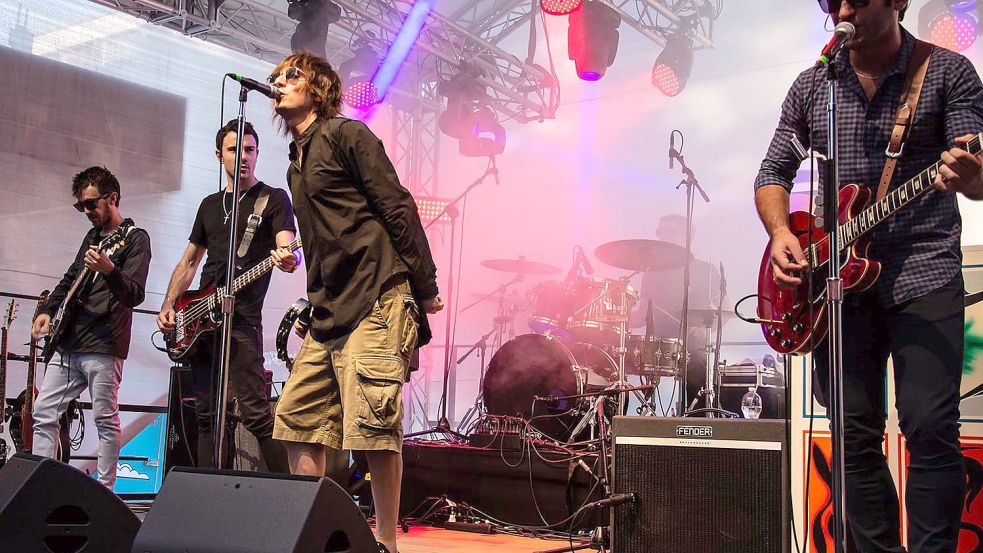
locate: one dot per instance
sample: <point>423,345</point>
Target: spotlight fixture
<point>952,24</point>
<point>487,136</point>
<point>560,7</point>
<point>313,18</point>
<point>592,39</point>
<point>430,207</point>
<point>356,74</point>
<point>673,66</point>
<point>473,124</point>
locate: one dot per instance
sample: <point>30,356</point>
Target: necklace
<point>868,77</point>
<point>228,212</point>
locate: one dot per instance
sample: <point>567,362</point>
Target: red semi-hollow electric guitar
<point>793,319</point>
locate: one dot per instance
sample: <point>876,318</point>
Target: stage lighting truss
<point>952,24</point>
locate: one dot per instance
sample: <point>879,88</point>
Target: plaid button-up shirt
<point>919,245</point>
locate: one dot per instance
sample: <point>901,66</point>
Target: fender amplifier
<point>702,485</point>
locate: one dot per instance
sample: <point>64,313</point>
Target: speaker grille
<point>724,494</point>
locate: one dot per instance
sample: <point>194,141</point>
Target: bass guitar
<point>197,312</point>
<point>9,315</point>
<point>61,321</point>
<point>793,319</point>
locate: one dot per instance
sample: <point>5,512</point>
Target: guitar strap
<point>255,219</point>
<point>914,78</point>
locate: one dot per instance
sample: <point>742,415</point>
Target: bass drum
<point>533,365</point>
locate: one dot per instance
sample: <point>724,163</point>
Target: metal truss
<point>416,148</point>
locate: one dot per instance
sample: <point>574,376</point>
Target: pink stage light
<point>361,94</point>
<point>665,79</point>
<point>560,7</point>
<point>953,31</point>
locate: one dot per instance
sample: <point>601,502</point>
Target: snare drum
<point>653,356</point>
<point>599,308</point>
<point>551,301</point>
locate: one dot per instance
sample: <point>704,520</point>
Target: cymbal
<point>642,255</point>
<point>520,265</point>
<point>701,316</point>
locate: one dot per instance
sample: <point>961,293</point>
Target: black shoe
<point>382,548</point>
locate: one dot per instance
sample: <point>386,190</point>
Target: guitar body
<point>188,329</point>
<point>794,318</point>
<point>22,421</point>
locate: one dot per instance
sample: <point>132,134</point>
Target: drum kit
<point>581,348</point>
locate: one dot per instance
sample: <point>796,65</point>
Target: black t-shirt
<point>211,231</point>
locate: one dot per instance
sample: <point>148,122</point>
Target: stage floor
<point>425,539</point>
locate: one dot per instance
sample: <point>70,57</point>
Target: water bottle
<point>751,404</point>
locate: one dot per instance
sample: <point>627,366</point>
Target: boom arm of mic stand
<point>460,197</point>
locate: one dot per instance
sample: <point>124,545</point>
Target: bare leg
<point>386,468</point>
<point>305,459</point>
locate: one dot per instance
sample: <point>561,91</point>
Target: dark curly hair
<point>321,81</point>
<point>97,176</point>
<point>232,126</point>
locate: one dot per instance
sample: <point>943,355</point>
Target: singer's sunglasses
<point>89,204</point>
<point>833,6</point>
<point>289,74</point>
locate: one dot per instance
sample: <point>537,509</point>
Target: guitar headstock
<point>42,299</point>
<point>114,241</point>
<point>10,314</point>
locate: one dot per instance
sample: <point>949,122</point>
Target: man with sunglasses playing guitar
<point>914,310</point>
<point>97,320</point>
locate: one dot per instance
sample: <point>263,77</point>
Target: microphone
<point>494,169</point>
<point>262,88</point>
<point>616,499</point>
<point>841,34</point>
<point>584,262</point>
<point>672,148</point>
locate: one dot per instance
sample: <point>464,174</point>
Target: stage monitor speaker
<point>48,506</point>
<point>213,511</point>
<point>702,485</point>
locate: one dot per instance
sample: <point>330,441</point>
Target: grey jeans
<point>62,383</point>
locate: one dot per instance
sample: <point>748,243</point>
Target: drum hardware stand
<point>691,183</point>
<point>710,391</point>
<point>503,324</point>
<point>443,425</point>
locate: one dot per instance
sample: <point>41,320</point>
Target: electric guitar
<point>8,318</point>
<point>22,410</point>
<point>793,319</point>
<point>197,312</point>
<point>61,321</point>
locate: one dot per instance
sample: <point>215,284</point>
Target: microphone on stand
<point>584,262</point>
<point>250,84</point>
<point>841,34</point>
<point>672,148</point>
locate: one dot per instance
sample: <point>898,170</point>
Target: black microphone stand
<point>228,299</point>
<point>691,184</point>
<point>443,425</point>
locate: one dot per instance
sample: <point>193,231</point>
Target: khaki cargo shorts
<point>347,393</point>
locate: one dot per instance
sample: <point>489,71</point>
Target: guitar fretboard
<point>248,277</point>
<point>878,211</point>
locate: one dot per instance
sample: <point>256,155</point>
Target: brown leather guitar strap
<point>914,78</point>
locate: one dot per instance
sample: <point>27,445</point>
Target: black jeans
<point>245,384</point>
<point>924,337</point>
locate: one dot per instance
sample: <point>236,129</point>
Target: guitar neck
<point>897,199</point>
<point>253,273</point>
<point>3,372</point>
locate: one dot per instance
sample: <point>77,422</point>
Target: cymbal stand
<point>503,326</point>
<point>691,183</point>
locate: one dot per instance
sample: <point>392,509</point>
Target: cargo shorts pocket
<point>379,380</point>
<point>410,328</point>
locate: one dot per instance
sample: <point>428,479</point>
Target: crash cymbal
<point>642,255</point>
<point>699,317</point>
<point>520,265</point>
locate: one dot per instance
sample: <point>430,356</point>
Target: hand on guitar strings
<point>40,326</point>
<point>960,171</point>
<point>98,261</point>
<point>165,319</point>
<point>284,259</point>
<point>787,259</point>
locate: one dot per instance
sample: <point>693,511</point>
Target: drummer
<point>665,289</point>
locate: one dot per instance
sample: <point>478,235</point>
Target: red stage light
<point>665,80</point>
<point>560,7</point>
<point>360,94</point>
<point>955,32</point>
